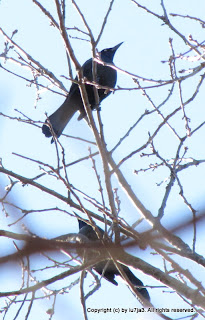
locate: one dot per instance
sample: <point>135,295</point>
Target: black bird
<point>105,76</point>
<point>109,271</point>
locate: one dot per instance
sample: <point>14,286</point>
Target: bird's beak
<point>116,47</point>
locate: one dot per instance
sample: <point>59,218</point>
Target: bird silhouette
<point>105,76</point>
<point>108,269</point>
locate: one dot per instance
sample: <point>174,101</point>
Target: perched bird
<point>109,270</point>
<point>105,76</point>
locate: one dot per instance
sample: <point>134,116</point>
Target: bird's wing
<point>87,72</point>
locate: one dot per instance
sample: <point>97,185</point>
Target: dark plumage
<point>105,76</point>
<point>109,271</point>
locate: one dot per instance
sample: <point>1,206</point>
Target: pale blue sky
<point>145,46</point>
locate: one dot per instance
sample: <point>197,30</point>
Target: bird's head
<point>107,55</point>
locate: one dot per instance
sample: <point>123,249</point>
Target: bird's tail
<point>136,282</point>
<point>60,118</point>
